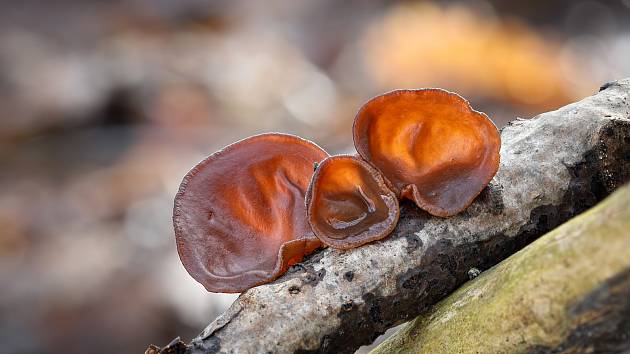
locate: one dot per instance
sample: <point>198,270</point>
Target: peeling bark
<point>553,167</point>
<point>568,291</point>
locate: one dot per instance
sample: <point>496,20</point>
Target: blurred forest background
<point>104,106</point>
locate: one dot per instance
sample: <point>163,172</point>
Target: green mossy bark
<point>540,296</point>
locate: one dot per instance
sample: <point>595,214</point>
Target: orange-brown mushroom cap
<point>240,215</point>
<point>349,203</point>
<point>431,145</point>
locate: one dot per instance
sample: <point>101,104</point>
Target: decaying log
<point>552,167</point>
<point>568,291</point>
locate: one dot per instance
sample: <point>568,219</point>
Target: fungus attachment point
<point>239,216</point>
<point>349,204</point>
<point>431,145</point>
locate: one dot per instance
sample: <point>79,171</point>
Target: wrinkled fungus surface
<point>349,203</point>
<point>240,216</point>
<point>431,145</point>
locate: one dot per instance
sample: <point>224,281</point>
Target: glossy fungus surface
<point>431,145</point>
<point>240,215</point>
<point>349,203</point>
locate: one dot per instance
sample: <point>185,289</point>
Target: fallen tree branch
<point>568,291</point>
<point>552,167</point>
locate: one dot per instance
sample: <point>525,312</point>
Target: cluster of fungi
<point>248,212</point>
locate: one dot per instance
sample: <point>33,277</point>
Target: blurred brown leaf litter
<point>105,106</point>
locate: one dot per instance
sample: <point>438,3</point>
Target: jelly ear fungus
<point>431,145</point>
<point>249,211</point>
<point>239,216</point>
<point>349,203</point>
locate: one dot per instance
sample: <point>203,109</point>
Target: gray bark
<point>567,292</point>
<point>553,166</point>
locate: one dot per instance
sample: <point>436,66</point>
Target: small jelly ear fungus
<point>349,204</point>
<point>431,145</point>
<point>239,216</point>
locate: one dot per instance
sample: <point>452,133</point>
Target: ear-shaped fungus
<point>349,204</point>
<point>431,145</point>
<point>240,218</point>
